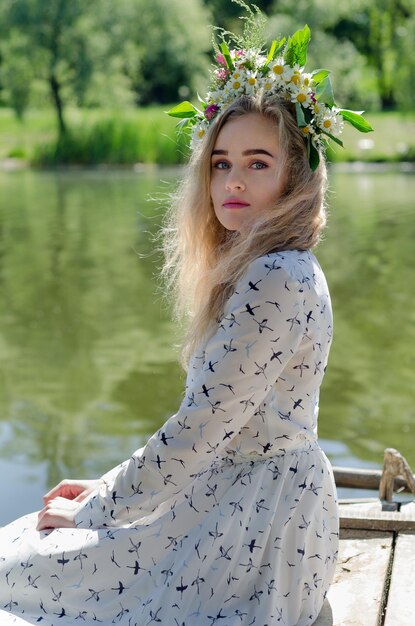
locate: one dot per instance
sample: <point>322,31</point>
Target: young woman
<point>228,514</point>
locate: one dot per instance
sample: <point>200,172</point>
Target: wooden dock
<point>374,583</point>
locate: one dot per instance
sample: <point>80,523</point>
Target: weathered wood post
<point>394,465</point>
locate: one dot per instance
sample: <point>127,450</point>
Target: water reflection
<point>84,337</point>
<point>87,368</point>
<point>368,397</point>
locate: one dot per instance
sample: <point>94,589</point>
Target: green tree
<point>171,38</point>
<point>370,41</point>
<point>405,71</point>
<point>387,21</point>
<point>225,13</point>
<point>55,41</point>
<point>101,53</point>
<point>354,82</point>
<point>16,73</point>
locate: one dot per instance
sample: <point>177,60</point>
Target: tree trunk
<point>57,101</point>
<point>55,49</point>
<point>387,97</point>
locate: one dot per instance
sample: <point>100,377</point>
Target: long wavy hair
<point>203,260</point>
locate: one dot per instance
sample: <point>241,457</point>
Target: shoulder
<point>294,278</point>
<point>270,277</point>
<point>297,267</point>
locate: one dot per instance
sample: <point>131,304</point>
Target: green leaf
<point>313,155</point>
<point>183,124</point>
<point>296,51</point>
<point>281,44</point>
<point>271,52</point>
<point>276,47</point>
<point>319,75</point>
<point>227,55</point>
<point>332,137</point>
<point>184,109</point>
<point>300,115</point>
<point>324,92</point>
<point>308,114</point>
<point>357,120</point>
<point>202,102</point>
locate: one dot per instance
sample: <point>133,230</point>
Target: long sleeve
<point>257,338</point>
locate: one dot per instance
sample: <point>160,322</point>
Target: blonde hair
<point>203,260</point>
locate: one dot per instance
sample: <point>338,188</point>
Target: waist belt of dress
<point>236,456</point>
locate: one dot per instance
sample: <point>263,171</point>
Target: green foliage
<point>403,77</point>
<point>16,74</point>
<point>58,47</point>
<point>356,120</point>
<point>170,51</point>
<point>299,111</point>
<point>253,25</point>
<point>17,153</point>
<point>369,44</point>
<point>102,53</point>
<point>154,133</point>
<point>324,91</point>
<point>297,47</point>
<point>183,110</point>
<point>225,13</point>
<point>252,35</point>
<point>276,47</point>
<point>110,54</point>
<point>313,156</point>
<point>319,75</point>
<point>226,53</point>
<point>115,139</point>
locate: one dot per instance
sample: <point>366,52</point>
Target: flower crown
<point>247,70</point>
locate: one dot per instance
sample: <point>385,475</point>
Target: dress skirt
<point>253,542</point>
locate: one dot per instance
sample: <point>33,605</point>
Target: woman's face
<point>245,170</point>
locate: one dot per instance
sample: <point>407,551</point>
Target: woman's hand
<point>76,490</point>
<point>62,502</point>
<point>58,513</point>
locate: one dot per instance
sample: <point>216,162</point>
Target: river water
<point>88,365</point>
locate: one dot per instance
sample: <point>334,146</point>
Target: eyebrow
<point>250,152</point>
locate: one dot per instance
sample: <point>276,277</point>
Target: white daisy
<point>282,73</point>
<point>250,82</point>
<point>268,83</point>
<point>302,95</point>
<point>331,122</point>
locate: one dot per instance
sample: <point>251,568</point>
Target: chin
<point>231,224</point>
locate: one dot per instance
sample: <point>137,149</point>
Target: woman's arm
<point>62,502</point>
<point>259,334</point>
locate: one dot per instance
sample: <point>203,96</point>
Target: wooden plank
<point>402,587</point>
<point>408,509</point>
<point>371,517</point>
<point>400,609</point>
<point>357,592</point>
<point>355,478</point>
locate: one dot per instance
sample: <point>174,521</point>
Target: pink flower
<point>211,111</point>
<point>221,74</point>
<point>221,59</point>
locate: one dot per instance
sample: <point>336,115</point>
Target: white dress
<point>228,514</point>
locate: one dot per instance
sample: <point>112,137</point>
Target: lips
<point>234,203</point>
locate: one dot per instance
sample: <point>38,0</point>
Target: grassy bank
<point>393,139</point>
<point>93,137</point>
<point>148,136</point>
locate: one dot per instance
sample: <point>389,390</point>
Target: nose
<point>235,180</point>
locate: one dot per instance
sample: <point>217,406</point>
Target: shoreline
<point>348,167</point>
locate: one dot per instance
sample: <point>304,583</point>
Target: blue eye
<point>259,165</point>
<point>220,165</point>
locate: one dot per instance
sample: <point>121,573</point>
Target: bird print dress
<point>228,515</point>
